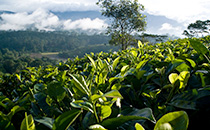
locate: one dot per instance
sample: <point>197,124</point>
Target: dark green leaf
<point>56,91</point>
<point>66,119</point>
<point>113,123</point>
<point>46,121</point>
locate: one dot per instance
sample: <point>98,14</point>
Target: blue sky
<point>182,11</point>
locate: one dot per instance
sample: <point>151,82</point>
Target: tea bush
<point>161,86</point>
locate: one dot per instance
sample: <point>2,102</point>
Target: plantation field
<point>164,86</point>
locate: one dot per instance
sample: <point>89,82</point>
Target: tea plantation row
<point>161,86</point>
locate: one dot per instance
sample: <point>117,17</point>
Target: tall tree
<point>197,29</point>
<point>127,18</point>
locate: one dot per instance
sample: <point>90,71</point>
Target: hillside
<point>149,87</point>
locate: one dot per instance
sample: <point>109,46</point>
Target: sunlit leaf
<point>139,126</point>
<point>28,123</point>
<point>173,121</point>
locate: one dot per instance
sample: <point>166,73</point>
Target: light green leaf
<point>173,77</point>
<point>28,123</point>
<point>113,94</point>
<point>97,127</point>
<point>115,62</point>
<point>183,77</point>
<point>141,64</point>
<point>123,69</point>
<point>193,64</point>
<point>140,45</point>
<point>173,121</point>
<point>82,104</point>
<point>80,84</point>
<point>92,61</point>
<point>105,111</point>
<point>66,119</point>
<point>139,126</point>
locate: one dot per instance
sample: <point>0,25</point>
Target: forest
<point>21,49</point>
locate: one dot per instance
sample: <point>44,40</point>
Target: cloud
<point>85,24</point>
<point>168,28</point>
<point>183,11</point>
<point>53,5</point>
<point>44,20</point>
<point>39,19</point>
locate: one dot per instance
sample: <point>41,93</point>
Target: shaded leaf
<point>56,91</point>
<point>46,121</point>
<point>66,119</point>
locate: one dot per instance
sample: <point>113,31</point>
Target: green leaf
<point>183,77</point>
<point>140,45</point>
<point>80,84</point>
<point>190,99</point>
<point>140,73</point>
<point>145,112</point>
<point>105,111</point>
<point>97,127</point>
<point>66,119</point>
<point>82,104</point>
<point>113,123</point>
<point>115,62</point>
<point>173,121</point>
<point>124,69</point>
<point>113,94</point>
<point>46,121</point>
<point>28,123</point>
<point>173,77</point>
<point>92,61</point>
<point>14,110</point>
<point>200,48</point>
<point>139,126</point>
<point>56,91</point>
<point>141,64</point>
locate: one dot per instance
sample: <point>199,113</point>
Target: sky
<point>37,13</point>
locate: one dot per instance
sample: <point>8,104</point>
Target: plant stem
<point>95,113</point>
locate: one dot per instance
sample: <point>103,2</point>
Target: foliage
<point>127,19</point>
<point>161,86</point>
<point>35,41</point>
<point>198,29</point>
<point>13,61</point>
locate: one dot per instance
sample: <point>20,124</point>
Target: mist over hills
<point>82,21</point>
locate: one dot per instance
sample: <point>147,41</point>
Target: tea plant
<point>161,86</point>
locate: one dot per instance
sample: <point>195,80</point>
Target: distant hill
<point>6,12</point>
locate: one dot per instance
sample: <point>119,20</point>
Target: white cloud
<point>85,24</point>
<point>53,5</point>
<point>180,10</point>
<point>44,20</point>
<point>167,28</point>
<point>40,19</point>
